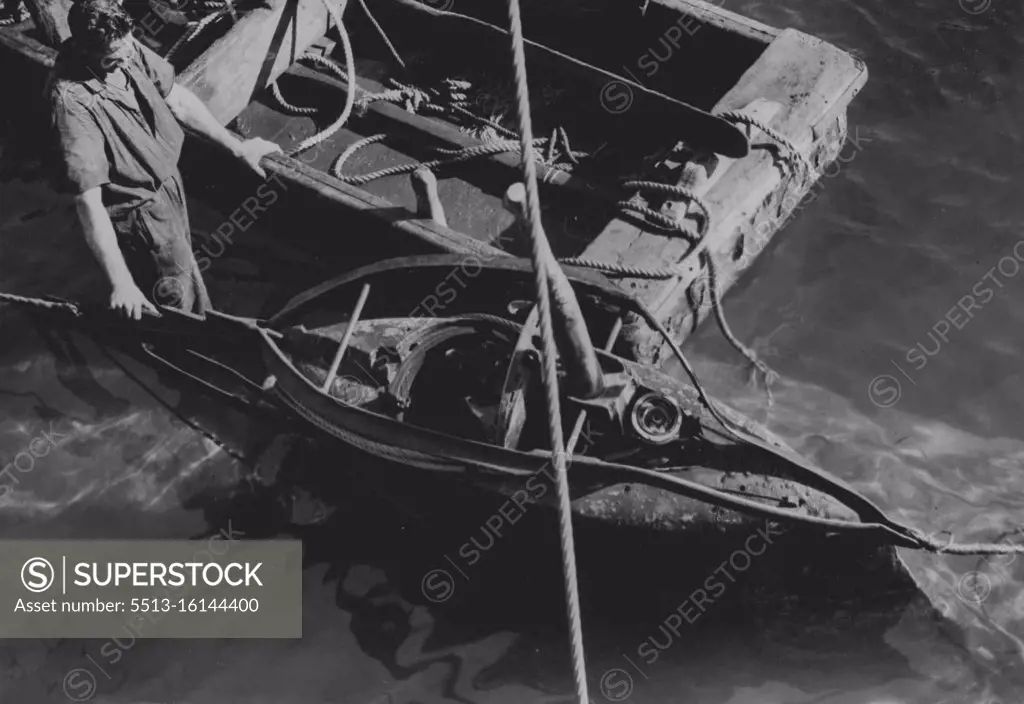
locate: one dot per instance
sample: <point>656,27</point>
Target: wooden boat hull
<point>796,84</point>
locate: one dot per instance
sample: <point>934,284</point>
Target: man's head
<point>101,33</point>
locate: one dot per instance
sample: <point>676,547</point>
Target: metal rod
<point>346,337</point>
<point>582,417</point>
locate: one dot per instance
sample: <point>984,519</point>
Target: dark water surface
<point>891,306</point>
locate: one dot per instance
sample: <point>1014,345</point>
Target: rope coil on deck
<point>452,156</point>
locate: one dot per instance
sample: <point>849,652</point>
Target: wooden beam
<point>621,236</point>
<point>12,39</point>
<point>51,19</point>
<point>713,14</point>
<point>254,52</point>
<point>814,81</point>
<point>325,186</point>
<point>707,129</point>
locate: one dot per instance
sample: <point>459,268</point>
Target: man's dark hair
<point>94,24</point>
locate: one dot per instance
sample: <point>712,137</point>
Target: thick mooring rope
<point>196,28</point>
<point>542,260</point>
<point>452,156</point>
<point>350,94</point>
<point>791,155</point>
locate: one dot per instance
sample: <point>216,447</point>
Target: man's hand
<point>129,300</point>
<point>193,113</point>
<point>252,151</point>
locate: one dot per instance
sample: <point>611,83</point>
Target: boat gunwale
<point>725,20</point>
<point>586,277</point>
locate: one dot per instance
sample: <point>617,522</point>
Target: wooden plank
<point>620,236</point>
<point>51,19</point>
<point>811,79</point>
<point>254,52</point>
<point>314,181</point>
<point>713,14</point>
<point>437,130</point>
<point>710,130</point>
<point>13,39</point>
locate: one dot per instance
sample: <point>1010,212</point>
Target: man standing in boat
<point>115,108</point>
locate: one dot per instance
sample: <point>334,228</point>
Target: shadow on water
<point>440,558</point>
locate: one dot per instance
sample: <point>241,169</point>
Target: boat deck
<point>797,85</point>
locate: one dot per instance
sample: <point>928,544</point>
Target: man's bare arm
<point>100,235</point>
<point>102,240</point>
<point>192,112</point>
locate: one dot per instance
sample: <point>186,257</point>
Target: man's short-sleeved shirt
<point>126,141</point>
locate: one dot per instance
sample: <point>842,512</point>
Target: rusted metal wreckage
<point>460,394</point>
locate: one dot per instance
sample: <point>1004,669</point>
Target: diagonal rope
<point>350,98</point>
<point>543,259</point>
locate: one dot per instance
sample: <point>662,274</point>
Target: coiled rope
<point>350,94</point>
<point>542,259</point>
<point>451,156</point>
<point>194,29</point>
